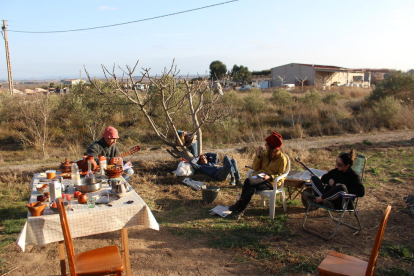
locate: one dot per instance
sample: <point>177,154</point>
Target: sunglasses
<point>339,165</point>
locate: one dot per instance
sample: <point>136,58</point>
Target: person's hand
<point>120,162</point>
<point>266,177</point>
<point>259,151</point>
<point>113,160</point>
<point>331,182</point>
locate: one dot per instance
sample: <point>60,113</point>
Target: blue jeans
<point>229,167</point>
<point>193,148</point>
<point>127,174</point>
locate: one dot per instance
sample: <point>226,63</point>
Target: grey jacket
<point>100,147</point>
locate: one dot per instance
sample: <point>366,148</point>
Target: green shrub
<point>253,103</point>
<point>281,98</point>
<point>312,98</point>
<point>397,84</point>
<point>331,98</point>
<point>387,111</point>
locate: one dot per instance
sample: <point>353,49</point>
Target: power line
<point>125,23</point>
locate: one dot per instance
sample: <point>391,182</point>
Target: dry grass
<point>276,247</point>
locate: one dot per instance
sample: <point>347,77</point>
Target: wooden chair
<point>101,261</point>
<point>276,190</point>
<point>340,264</point>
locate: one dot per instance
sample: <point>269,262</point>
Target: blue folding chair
<point>350,203</point>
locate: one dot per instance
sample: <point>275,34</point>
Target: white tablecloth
<point>84,221</point>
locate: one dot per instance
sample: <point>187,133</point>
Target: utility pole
<point>6,42</point>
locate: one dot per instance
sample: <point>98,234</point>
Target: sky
<point>259,34</point>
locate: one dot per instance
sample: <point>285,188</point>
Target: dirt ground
<point>162,253</point>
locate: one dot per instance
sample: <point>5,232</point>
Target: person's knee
<point>343,187</point>
<point>226,158</point>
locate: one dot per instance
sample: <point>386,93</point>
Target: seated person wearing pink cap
<point>106,147</point>
<point>271,162</point>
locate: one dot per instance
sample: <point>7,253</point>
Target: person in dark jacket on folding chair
<point>342,179</point>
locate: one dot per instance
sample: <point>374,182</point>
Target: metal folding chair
<point>350,203</point>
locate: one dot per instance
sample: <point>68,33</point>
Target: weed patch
<point>404,253</point>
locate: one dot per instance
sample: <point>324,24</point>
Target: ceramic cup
<point>50,174</point>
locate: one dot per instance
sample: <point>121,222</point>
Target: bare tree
<point>169,98</point>
<point>282,79</point>
<point>325,77</point>
<point>33,122</point>
<point>301,80</point>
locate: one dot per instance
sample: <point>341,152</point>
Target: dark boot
<point>235,207</point>
<point>238,215</point>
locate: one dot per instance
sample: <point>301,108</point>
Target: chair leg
<point>337,225</point>
<point>272,205</point>
<point>263,200</point>
<point>310,207</point>
<point>283,196</point>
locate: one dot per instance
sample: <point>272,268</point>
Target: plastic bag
<point>184,169</point>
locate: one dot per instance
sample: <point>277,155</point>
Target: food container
<point>83,163</point>
<point>42,187</point>
<point>36,208</point>
<point>50,174</point>
<point>66,167</point>
<point>89,185</point>
<point>114,172</point>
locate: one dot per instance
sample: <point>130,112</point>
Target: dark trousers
<point>329,193</point>
<point>249,188</point>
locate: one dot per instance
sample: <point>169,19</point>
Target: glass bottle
<point>75,174</point>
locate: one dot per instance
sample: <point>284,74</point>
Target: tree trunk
<point>200,141</point>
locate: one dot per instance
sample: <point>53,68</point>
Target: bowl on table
<point>36,208</point>
<point>42,187</point>
<point>89,185</point>
<point>114,172</point>
<point>66,175</point>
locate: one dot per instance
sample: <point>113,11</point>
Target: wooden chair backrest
<point>377,244</point>
<point>66,234</point>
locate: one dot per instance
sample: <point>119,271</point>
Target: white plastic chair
<point>276,190</point>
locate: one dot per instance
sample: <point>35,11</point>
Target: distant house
<point>29,91</point>
<point>313,74</point>
<point>40,90</point>
<point>73,81</point>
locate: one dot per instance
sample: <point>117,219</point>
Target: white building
<point>73,81</point>
<point>319,75</point>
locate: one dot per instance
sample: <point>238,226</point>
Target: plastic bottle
<point>102,164</point>
<point>75,175</point>
<point>121,162</point>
